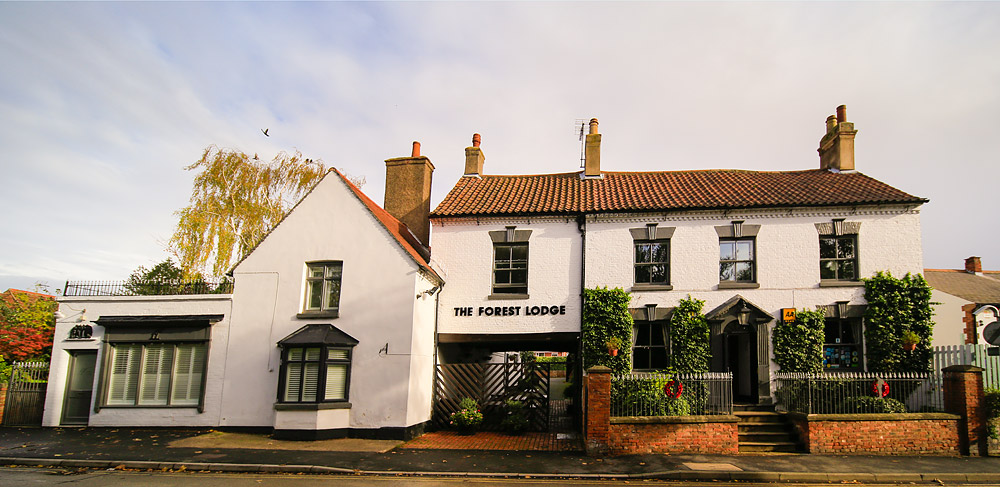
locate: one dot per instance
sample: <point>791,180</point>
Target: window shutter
<point>310,382</point>
<point>293,380</point>
<point>336,381</point>
<point>124,374</point>
<point>156,375</point>
<point>188,371</point>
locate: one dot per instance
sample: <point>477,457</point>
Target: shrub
<point>992,403</point>
<point>468,416</point>
<point>515,419</point>
<point>645,397</point>
<point>798,345</point>
<point>556,363</point>
<point>869,404</point>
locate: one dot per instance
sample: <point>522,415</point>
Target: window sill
<point>652,287</point>
<point>738,285</point>
<point>502,296</point>
<point>310,406</point>
<point>306,315</point>
<point>832,283</point>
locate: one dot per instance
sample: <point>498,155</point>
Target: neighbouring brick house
<point>519,249</point>
<point>968,301</point>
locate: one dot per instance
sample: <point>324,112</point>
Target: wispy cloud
<point>104,103</point>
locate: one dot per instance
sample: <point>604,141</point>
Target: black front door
<point>740,357</point>
<point>79,387</point>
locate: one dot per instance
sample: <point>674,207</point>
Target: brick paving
<point>560,437</point>
<point>488,440</point>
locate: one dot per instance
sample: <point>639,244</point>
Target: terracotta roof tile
<point>567,193</point>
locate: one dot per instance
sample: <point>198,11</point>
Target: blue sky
<point>103,104</point>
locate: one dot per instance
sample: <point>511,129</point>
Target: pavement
<point>212,450</point>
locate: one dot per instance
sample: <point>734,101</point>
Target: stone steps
<point>762,430</point>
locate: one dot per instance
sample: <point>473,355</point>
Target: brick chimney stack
<point>974,266</point>
<point>836,148</point>
<point>592,152</point>
<point>408,192</point>
<point>474,157</point>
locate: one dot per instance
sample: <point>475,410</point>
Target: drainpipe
<point>581,225</point>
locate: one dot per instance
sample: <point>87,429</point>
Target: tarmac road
<point>33,476</point>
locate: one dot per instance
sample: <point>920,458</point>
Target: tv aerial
<point>580,127</point>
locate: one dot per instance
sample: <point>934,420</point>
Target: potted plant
<point>910,340</point>
<point>614,344</point>
<point>468,417</point>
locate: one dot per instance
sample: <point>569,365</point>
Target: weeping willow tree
<point>236,200</point>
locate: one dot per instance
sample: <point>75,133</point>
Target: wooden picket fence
<point>26,394</point>
<point>491,384</point>
<point>977,355</point>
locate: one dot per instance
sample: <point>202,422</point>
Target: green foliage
<point>992,402</point>
<point>515,419</point>
<point>468,416</point>
<point>798,345</point>
<point>167,279</point>
<point>992,405</point>
<point>646,397</point>
<point>5,369</point>
<point>235,201</point>
<point>874,405</point>
<point>896,306</point>
<point>557,363</point>
<point>527,356</point>
<point>689,336</point>
<point>605,315</point>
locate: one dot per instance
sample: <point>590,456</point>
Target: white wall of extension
<point>378,307</point>
<point>464,251</point>
<point>137,306</point>
<point>949,323</point>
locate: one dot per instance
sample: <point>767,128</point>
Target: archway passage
<point>740,345</point>
<point>488,368</point>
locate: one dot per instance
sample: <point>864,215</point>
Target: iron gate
<point>26,394</point>
<point>492,384</point>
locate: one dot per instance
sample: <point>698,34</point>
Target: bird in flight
<point>265,132</point>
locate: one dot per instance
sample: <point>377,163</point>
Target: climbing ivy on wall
<point>894,307</point>
<point>798,345</point>
<point>605,315</point>
<point>689,337</point>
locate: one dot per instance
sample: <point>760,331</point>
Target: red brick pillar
<point>963,395</point>
<point>598,407</point>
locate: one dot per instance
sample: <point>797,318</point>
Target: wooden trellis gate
<point>26,394</point>
<point>491,385</point>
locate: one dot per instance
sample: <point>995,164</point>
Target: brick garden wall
<point>696,434</point>
<point>880,434</point>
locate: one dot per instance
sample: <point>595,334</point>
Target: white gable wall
<point>376,308</point>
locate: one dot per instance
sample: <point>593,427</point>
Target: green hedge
<point>896,306</point>
<point>798,345</point>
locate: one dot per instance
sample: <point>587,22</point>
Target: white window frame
<point>296,375</point>
<point>329,280</point>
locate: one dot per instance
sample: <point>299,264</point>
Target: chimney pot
<point>973,265</point>
<point>836,148</point>
<point>476,140</point>
<point>592,152</point>
<point>842,114</point>
<point>416,149</point>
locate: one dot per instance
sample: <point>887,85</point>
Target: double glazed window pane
<point>838,257</point>
<point>652,263</point>
<point>650,349</point>
<point>323,286</point>
<point>303,381</point>
<point>736,260</point>
<point>510,268</point>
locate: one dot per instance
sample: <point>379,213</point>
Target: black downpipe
<point>581,225</point>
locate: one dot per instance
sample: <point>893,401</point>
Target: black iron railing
<point>857,392</point>
<point>148,288</point>
<point>654,394</point>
